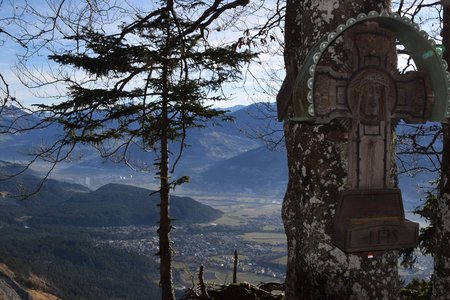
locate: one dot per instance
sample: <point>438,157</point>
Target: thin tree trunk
<point>317,172</point>
<point>165,250</point>
<point>235,266</point>
<point>203,291</point>
<point>441,253</point>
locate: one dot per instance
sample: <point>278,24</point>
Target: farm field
<point>254,229</point>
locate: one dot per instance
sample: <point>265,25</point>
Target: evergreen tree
<point>146,85</point>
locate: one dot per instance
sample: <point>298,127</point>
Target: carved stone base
<point>372,220</point>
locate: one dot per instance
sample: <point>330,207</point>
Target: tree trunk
<point>441,253</point>
<point>165,250</point>
<point>317,172</point>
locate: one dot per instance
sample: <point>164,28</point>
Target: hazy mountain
<point>206,147</point>
<point>258,171</point>
<point>223,157</point>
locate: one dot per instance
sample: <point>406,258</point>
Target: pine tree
<point>146,85</point>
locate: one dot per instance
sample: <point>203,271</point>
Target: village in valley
<point>257,236</point>
<point>259,239</point>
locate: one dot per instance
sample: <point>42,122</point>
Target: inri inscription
<point>371,220</point>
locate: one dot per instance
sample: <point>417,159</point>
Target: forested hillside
<point>63,204</point>
<point>71,266</point>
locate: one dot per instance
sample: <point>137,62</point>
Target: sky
<point>243,92</point>
<point>262,78</point>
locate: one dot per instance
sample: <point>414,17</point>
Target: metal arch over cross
<point>368,96</point>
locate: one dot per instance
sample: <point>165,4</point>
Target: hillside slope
<point>120,205</point>
<point>64,204</point>
<point>69,263</point>
<point>11,289</point>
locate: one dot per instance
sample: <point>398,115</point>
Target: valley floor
<point>253,229</point>
<point>252,226</point>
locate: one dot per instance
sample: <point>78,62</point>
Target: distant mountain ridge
<point>208,149</point>
<point>224,157</point>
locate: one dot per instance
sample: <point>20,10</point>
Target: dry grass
<point>265,237</point>
<point>7,271</point>
<point>39,282</point>
<point>39,295</point>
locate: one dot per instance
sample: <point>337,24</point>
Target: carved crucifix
<point>369,96</point>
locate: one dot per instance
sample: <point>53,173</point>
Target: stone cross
<point>369,96</point>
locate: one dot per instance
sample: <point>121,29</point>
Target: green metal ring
<point>422,48</point>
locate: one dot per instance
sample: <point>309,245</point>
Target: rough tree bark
<point>165,250</point>
<point>317,172</point>
<point>441,253</point>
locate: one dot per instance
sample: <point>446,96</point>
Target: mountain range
<point>224,157</point>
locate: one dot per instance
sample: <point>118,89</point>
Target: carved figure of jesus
<point>371,102</point>
<point>371,107</point>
